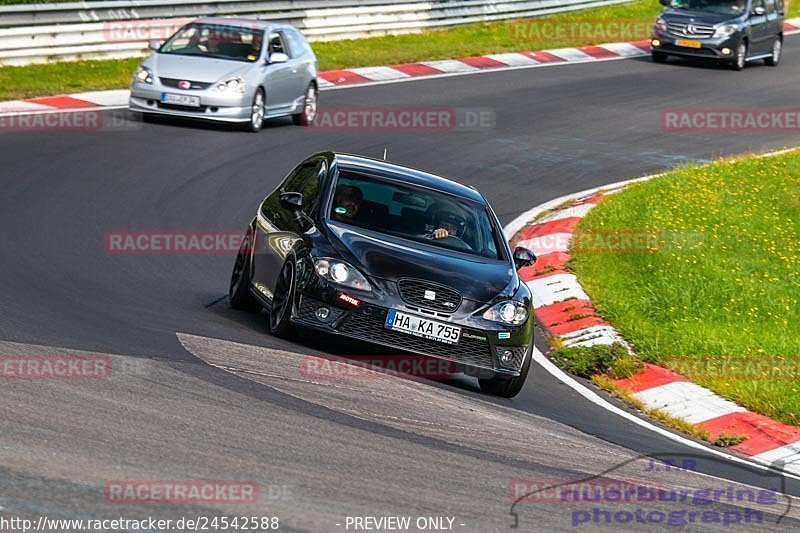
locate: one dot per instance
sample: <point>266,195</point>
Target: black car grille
<point>368,324</point>
<point>413,292</point>
<point>194,85</point>
<point>696,31</point>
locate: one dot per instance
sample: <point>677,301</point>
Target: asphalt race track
<point>200,391</point>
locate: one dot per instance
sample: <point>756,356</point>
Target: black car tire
<point>258,107</point>
<point>310,103</point>
<point>239,291</point>
<point>283,301</point>
<point>777,51</point>
<point>740,59</point>
<point>659,57</point>
<point>506,387</point>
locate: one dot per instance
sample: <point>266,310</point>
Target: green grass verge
<point>623,22</point>
<point>717,298</point>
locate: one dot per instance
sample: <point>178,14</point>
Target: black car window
<point>305,179</point>
<point>414,213</point>
<point>770,6</point>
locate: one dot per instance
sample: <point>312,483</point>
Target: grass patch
<point>624,22</point>
<point>587,361</point>
<point>717,299</point>
<point>726,441</point>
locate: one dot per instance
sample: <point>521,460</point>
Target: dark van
<point>733,31</point>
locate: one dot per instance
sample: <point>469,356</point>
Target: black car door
<point>277,229</point>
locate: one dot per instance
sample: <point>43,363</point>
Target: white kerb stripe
<point>322,82</point>
<point>687,401</point>
<point>18,106</point>
<point>592,336</point>
<point>624,49</point>
<point>571,54</point>
<point>513,60</point>
<point>578,211</point>
<point>789,455</point>
<point>556,288</point>
<point>379,73</point>
<point>105,98</point>
<point>450,65</point>
<point>547,244</point>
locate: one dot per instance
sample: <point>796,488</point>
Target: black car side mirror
<point>665,3</point>
<point>292,201</point>
<point>523,257</point>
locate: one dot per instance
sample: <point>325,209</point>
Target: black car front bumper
<point>475,354</point>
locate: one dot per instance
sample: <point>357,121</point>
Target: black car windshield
<point>720,7</point>
<point>414,213</point>
<point>218,42</point>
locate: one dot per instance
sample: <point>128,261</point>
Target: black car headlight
<point>341,273</point>
<point>508,312</point>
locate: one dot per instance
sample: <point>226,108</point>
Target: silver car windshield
<point>234,43</point>
<point>414,213</point>
<point>720,7</point>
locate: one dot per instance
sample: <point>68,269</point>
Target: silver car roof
<point>241,21</point>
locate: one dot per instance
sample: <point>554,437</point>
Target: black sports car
<point>394,256</point>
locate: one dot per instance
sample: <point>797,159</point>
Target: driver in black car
<point>347,203</point>
<point>448,224</point>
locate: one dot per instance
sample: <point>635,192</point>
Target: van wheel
<point>777,48</point>
<point>740,59</point>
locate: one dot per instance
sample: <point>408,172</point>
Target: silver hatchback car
<point>229,70</point>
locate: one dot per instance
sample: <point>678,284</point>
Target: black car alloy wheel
<point>239,291</point>
<point>282,301</point>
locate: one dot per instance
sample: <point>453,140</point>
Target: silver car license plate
<point>422,327</point>
<point>180,99</point>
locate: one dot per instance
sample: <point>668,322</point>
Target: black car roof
<point>408,175</point>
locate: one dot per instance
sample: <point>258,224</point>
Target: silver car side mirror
<point>758,11</point>
<point>278,57</point>
<point>154,45</point>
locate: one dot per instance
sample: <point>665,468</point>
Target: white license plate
<point>180,99</point>
<point>422,327</point>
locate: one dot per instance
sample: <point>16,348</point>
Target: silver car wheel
<point>257,112</point>
<point>311,104</point>
<point>776,50</point>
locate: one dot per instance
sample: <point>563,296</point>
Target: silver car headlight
<point>508,312</point>
<point>341,273</point>
<point>660,26</point>
<point>143,75</point>
<point>235,85</point>
<point>726,30</point>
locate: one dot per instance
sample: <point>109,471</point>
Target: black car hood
<point>687,16</point>
<point>383,256</point>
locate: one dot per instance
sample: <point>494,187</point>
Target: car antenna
<point>385,150</point>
